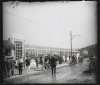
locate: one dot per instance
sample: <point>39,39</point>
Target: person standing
<point>12,66</point>
<point>27,63</point>
<point>5,67</point>
<point>8,67</point>
<point>77,56</point>
<point>41,62</point>
<point>20,65</point>
<point>24,62</point>
<point>45,62</point>
<point>37,61</point>
<point>53,66</point>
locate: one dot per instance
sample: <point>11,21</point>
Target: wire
<point>27,20</point>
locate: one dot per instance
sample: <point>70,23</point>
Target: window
<point>16,47</point>
<point>20,47</point>
<point>16,44</point>
<point>20,51</point>
<point>21,43</point>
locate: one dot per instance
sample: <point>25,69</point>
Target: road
<point>65,74</point>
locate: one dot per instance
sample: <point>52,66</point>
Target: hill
<point>92,49</point>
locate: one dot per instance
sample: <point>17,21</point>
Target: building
<point>22,50</point>
<point>34,51</point>
<point>19,47</point>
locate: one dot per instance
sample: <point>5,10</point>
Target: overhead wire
<point>31,22</point>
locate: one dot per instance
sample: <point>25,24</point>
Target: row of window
<point>18,57</point>
<point>18,47</point>
<point>18,54</point>
<point>44,53</point>
<point>18,42</point>
<point>18,50</point>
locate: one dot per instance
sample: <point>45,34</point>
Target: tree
<point>8,47</point>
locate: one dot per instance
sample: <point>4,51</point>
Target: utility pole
<point>71,38</point>
<point>71,42</point>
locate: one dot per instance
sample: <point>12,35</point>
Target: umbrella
<point>8,45</point>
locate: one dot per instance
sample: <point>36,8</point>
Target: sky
<point>49,23</point>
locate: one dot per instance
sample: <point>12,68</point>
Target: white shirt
<point>21,60</point>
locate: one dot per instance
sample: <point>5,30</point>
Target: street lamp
<point>71,38</point>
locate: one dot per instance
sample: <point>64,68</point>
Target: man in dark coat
<point>27,63</point>
<point>53,66</point>
<point>45,62</point>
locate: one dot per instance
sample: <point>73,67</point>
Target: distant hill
<point>92,49</point>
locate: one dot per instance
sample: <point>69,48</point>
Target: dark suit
<point>53,66</point>
<point>20,68</point>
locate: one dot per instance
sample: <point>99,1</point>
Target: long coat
<point>53,62</point>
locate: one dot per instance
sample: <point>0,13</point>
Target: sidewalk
<point>33,71</point>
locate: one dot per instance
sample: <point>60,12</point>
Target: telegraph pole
<point>71,42</point>
<point>71,38</point>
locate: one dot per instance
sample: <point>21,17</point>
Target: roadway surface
<point>65,74</point>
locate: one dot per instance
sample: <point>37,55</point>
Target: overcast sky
<point>50,23</point>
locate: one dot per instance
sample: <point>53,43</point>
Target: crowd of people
<point>74,60</point>
<point>8,67</point>
<point>10,64</point>
<point>47,62</point>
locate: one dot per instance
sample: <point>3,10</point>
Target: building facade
<point>35,51</point>
<point>23,50</point>
<point>19,47</point>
